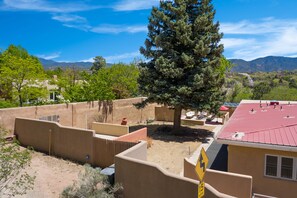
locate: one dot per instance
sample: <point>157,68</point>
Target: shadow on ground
<point>184,134</point>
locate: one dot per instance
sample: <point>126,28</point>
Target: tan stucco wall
<point>164,114</point>
<point>71,143</point>
<point>66,142</point>
<point>110,129</point>
<point>146,180</point>
<point>250,161</point>
<point>237,185</point>
<point>82,114</point>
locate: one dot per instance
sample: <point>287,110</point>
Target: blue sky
<point>79,30</point>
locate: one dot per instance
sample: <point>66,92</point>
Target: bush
<point>7,104</point>
<point>92,184</point>
<point>13,159</point>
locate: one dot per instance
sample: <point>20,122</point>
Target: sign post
<point>200,170</point>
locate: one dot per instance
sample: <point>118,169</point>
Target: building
<point>262,142</point>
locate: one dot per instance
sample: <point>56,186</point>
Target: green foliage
<point>244,94</point>
<point>97,86</point>
<point>281,93</point>
<point>7,104</point>
<point>260,89</point>
<point>92,184</point>
<point>123,80</point>
<point>70,85</point>
<point>19,70</point>
<point>184,68</point>
<point>13,159</point>
<point>99,63</point>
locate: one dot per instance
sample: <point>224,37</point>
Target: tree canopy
<point>19,72</point>
<point>99,62</point>
<point>184,57</point>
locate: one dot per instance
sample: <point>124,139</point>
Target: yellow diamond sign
<point>201,164</point>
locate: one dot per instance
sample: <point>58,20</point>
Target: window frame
<point>279,167</point>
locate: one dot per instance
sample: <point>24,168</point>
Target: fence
<point>82,114</point>
<point>110,129</point>
<point>229,183</point>
<point>71,143</point>
<point>145,179</point>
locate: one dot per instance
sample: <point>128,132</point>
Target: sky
<point>79,30</point>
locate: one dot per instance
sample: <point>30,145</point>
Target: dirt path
<point>52,175</point>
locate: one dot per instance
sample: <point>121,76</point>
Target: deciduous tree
<point>20,70</point>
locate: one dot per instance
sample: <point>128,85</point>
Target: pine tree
<point>184,54</point>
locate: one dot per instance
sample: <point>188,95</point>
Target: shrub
<point>13,159</point>
<point>92,184</point>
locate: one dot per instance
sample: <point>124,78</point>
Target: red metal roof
<point>272,125</point>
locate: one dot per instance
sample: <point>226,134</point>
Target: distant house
<point>262,142</point>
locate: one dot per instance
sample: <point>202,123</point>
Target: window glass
<point>287,167</point>
<point>271,165</point>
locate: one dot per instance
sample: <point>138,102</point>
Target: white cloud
<point>122,57</point>
<point>46,6</point>
<point>69,18</point>
<point>49,56</point>
<point>268,37</point>
<point>88,60</point>
<point>126,57</point>
<point>115,29</point>
<point>129,5</point>
<point>236,42</point>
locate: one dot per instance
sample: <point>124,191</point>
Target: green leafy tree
<point>20,70</point>
<point>99,62</point>
<point>123,80</point>
<point>13,179</point>
<point>184,57</point>
<point>70,85</point>
<point>97,86</point>
<point>260,89</point>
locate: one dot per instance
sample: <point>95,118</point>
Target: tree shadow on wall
<point>105,108</point>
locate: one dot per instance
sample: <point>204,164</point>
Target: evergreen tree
<point>184,54</point>
<point>99,62</point>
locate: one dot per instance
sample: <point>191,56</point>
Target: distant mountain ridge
<point>50,64</point>
<point>265,64</point>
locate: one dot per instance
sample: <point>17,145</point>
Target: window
<point>287,167</point>
<point>271,165</point>
<point>53,118</point>
<point>280,167</point>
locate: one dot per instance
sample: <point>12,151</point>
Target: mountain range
<point>265,64</point>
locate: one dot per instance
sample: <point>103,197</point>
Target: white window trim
<point>278,171</point>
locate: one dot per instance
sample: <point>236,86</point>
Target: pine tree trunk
<point>177,118</point>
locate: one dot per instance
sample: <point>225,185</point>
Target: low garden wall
<point>72,143</point>
<point>110,129</point>
<point>233,184</point>
<point>145,179</point>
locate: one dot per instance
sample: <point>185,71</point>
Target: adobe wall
<point>145,179</point>
<point>251,161</point>
<point>236,185</point>
<point>82,114</point>
<point>110,129</point>
<point>72,143</point>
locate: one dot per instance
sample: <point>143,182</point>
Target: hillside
<point>266,64</point>
<point>50,64</point>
